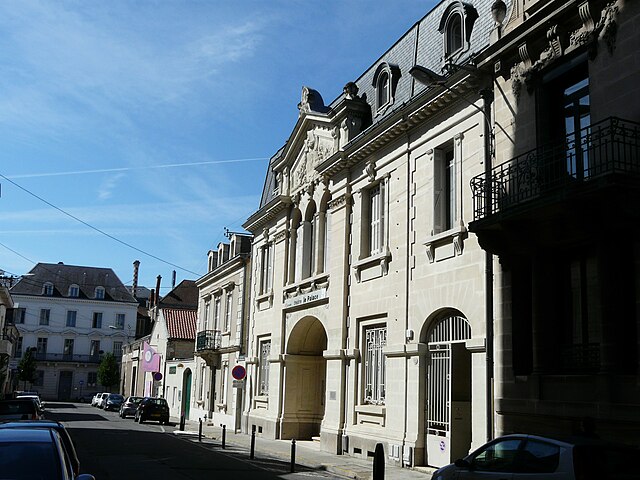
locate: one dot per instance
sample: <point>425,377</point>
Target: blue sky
<point>153,121</point>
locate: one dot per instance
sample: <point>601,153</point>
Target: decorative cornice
<point>340,202</point>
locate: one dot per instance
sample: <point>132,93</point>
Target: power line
<point>102,232</point>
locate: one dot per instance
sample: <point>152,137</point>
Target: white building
<point>71,315</point>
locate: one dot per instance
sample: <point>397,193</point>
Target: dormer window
<point>47,289</point>
<point>385,80</point>
<point>456,25</point>
<point>99,293</point>
<point>74,291</point>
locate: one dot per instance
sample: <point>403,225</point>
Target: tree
<point>4,365</point>
<point>27,368</point>
<point>108,371</point>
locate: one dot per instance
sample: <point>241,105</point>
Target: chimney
<point>136,267</point>
<point>173,280</point>
<point>158,289</point>
<point>151,298</point>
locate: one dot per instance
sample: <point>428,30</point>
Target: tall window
<point>41,346</point>
<point>45,313</point>
<point>223,387</point>
<point>92,379</point>
<point>228,311</point>
<point>216,314</point>
<point>17,353</point>
<point>119,321</point>
<point>117,349</point>
<point>97,320</point>
<point>201,383</point>
<point>68,348</point>
<point>47,289</point>
<point>382,89</point>
<point>74,291</point>
<point>94,350</point>
<point>19,315</point>
<point>266,274</point>
<point>263,373</point>
<point>374,365</point>
<point>100,293</point>
<point>454,34</point>
<point>444,189</point>
<point>71,318</point>
<point>207,312</point>
<point>375,219</point>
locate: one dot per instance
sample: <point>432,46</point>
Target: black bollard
<point>200,430</point>
<point>293,455</point>
<point>224,436</point>
<point>378,463</point>
<point>253,442</point>
<point>182,422</point>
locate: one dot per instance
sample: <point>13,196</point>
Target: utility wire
<point>122,242</point>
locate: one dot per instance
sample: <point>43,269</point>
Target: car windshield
<point>158,401</point>
<point>29,460</point>
<point>134,399</point>
<point>116,397</point>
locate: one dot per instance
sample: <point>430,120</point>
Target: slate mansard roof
<point>63,276</point>
<point>421,45</point>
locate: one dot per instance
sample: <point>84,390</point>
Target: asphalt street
<point>113,448</point>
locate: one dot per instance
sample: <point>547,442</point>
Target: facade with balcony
<point>369,295</point>
<point>70,315</point>
<point>223,314</point>
<point>560,208</point>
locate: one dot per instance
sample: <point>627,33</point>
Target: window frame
<point>99,293</point>
<point>45,316</point>
<point>41,345</point>
<point>96,320</point>
<point>17,352</point>
<point>94,352</point>
<point>228,310</point>
<point>68,346</point>
<point>264,352</point>
<point>72,317</point>
<point>120,321</point>
<point>74,291</point>
<point>116,348</point>
<point>374,364</point>
<point>47,289</point>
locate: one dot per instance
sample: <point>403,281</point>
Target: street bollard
<point>253,442</point>
<point>224,436</point>
<point>293,455</point>
<point>182,422</point>
<point>200,430</point>
<point>378,463</point>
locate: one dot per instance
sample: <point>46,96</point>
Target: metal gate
<point>447,334</point>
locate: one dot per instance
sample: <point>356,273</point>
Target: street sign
<point>238,372</point>
<point>81,382</point>
<point>238,384</point>
<point>157,376</point>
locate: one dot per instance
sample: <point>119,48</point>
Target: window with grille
<point>45,313</point>
<point>374,365</point>
<point>263,374</point>
<point>71,318</point>
<point>97,320</point>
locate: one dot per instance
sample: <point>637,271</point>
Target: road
<point>113,448</point>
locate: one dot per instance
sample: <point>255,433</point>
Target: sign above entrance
<point>305,298</point>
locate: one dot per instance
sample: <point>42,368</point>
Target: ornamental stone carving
<point>319,145</point>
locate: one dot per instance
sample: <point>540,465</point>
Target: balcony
<point>64,357</point>
<point>587,183</point>
<point>208,345</point>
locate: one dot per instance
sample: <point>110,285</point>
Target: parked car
<point>33,396</point>
<point>102,399</point>
<point>532,457</point>
<point>113,402</point>
<point>152,408</point>
<point>20,409</point>
<point>58,427</point>
<point>94,400</point>
<point>35,453</point>
<point>129,406</point>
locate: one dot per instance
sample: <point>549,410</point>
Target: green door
<point>187,394</point>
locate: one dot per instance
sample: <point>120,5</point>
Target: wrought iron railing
<point>603,148</point>
<point>208,340</point>
<point>67,357</point>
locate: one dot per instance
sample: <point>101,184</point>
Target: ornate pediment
<point>319,144</point>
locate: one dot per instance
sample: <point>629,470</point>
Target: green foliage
<point>27,367</point>
<point>108,371</point>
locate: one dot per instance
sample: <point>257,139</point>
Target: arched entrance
<point>186,394</point>
<point>304,380</point>
<point>448,409</point>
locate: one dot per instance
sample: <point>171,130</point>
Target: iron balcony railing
<point>65,357</point>
<point>601,149</point>
<point>208,340</point>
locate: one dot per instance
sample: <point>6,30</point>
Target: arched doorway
<point>304,381</point>
<point>186,394</point>
<point>448,383</point>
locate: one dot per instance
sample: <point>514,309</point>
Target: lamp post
<point>430,78</point>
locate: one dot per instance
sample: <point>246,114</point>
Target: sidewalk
<point>308,453</point>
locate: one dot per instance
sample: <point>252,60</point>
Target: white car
<point>103,398</point>
<point>530,457</point>
<point>94,400</point>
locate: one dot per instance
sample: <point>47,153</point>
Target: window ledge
<point>453,236</point>
<point>371,409</point>
<point>265,300</point>
<point>382,259</point>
